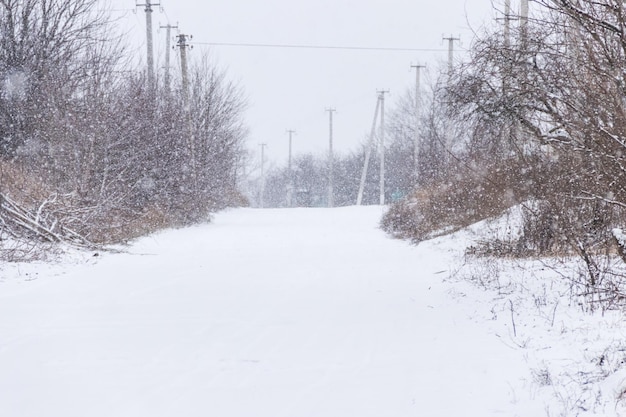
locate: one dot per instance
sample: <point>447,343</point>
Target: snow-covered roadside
<point>303,312</point>
<point>576,359</point>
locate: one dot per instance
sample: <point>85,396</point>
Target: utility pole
<point>262,191</point>
<point>524,13</point>
<point>507,23</point>
<point>573,36</point>
<point>149,44</point>
<point>446,130</point>
<point>182,45</point>
<point>451,40</point>
<point>168,36</point>
<point>524,22</point>
<point>381,94</point>
<point>289,172</point>
<point>416,138</point>
<point>331,167</point>
<point>368,154</point>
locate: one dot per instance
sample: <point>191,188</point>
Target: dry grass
<point>468,196</point>
<point>21,185</point>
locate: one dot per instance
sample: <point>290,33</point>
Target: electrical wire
<point>293,46</point>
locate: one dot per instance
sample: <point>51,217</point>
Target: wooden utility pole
<point>289,172</point>
<point>150,49</point>
<point>416,137</point>
<point>168,36</point>
<point>331,163</point>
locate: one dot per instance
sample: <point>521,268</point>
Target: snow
<point>619,235</point>
<point>15,85</point>
<point>292,312</point>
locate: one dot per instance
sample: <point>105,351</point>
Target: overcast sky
<point>291,88</point>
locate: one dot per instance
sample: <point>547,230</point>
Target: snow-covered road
<point>262,313</point>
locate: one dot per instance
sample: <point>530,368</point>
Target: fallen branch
<point>19,222</point>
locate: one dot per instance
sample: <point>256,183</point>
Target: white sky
<point>291,88</point>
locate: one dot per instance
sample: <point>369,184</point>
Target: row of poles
<point>380,104</point>
<point>182,44</point>
<point>508,17</point>
<point>379,113</point>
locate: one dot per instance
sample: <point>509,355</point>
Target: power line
<point>294,46</point>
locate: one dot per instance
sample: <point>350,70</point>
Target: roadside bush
<point>469,195</point>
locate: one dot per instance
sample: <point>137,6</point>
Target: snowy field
<point>299,313</point>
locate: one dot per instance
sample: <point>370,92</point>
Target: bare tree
<point>545,116</point>
<point>110,155</point>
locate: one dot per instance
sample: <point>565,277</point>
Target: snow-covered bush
<point>103,155</point>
